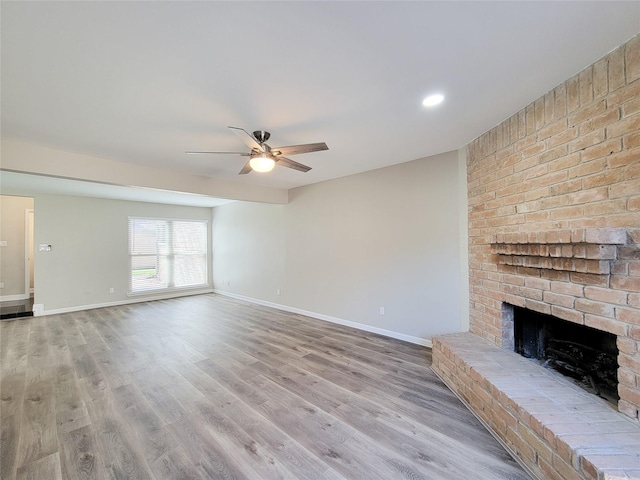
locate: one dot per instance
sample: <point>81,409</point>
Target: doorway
<point>16,256</point>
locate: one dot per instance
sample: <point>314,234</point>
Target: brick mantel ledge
<point>558,430</point>
<point>583,250</point>
<point>602,236</point>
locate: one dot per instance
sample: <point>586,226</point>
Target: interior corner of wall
<point>464,239</point>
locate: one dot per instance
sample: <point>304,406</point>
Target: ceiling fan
<point>262,158</point>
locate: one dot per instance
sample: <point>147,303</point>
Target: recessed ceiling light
<point>433,100</point>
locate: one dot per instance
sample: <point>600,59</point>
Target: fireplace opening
<point>587,355</point>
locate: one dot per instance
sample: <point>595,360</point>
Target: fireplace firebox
<point>587,355</point>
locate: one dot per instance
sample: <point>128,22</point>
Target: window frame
<point>169,257</point>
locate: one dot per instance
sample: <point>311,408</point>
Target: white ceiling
<point>141,82</point>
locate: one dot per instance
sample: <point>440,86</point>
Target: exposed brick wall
<point>569,162</point>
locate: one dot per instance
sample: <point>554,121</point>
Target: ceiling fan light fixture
<point>262,163</point>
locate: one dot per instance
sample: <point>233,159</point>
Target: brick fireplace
<point>554,227</point>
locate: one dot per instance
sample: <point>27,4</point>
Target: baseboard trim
<point>327,318</point>
<point>38,312</point>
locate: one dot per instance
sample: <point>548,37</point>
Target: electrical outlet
<point>382,311</point>
<point>278,291</point>
<point>1,284</point>
<point>112,290</point>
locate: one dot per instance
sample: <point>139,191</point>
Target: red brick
<point>590,188</point>
<point>628,315</point>
<point>605,324</point>
<point>537,283</point>
<point>554,154</point>
<point>587,113</point>
<point>589,279</point>
<point>557,299</point>
<point>585,79</point>
<point>596,124</point>
<point>583,141</point>
<point>624,189</point>
<point>620,282</point>
<point>627,345</point>
<point>630,107</point>
<point>616,69</point>
<point>533,150</point>
<point>631,140</point>
<point>605,295</point>
<point>573,99</point>
<point>631,395</point>
<point>552,129</point>
<point>601,150</point>
<point>631,411</point>
<point>629,361</point>
<point>632,59</point>
<point>604,208</point>
<point>596,308</point>
<point>624,158</point>
<point>604,178</point>
<point>560,101</point>
<point>622,127</point>
<point>587,168</point>
<point>567,212</point>
<point>568,314</point>
<point>627,377</point>
<point>634,267</point>
<point>566,288</point>
<point>609,236</point>
<point>623,94</point>
<point>538,107</point>
<point>600,78</point>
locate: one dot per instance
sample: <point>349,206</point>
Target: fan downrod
<point>261,135</point>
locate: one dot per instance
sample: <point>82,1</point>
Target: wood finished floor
<point>208,387</point>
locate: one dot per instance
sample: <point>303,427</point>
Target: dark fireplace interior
<point>587,355</point>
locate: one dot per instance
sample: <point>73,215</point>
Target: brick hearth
<point>555,428</point>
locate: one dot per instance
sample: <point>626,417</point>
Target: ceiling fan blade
<point>246,169</point>
<point>220,153</point>
<point>296,149</point>
<point>287,162</point>
<point>247,139</point>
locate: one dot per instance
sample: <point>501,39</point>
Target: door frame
<point>28,251</point>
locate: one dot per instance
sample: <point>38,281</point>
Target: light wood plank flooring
<point>208,387</point>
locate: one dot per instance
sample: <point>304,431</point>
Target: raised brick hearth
<point>554,227</point>
<point>555,428</point>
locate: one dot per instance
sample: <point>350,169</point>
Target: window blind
<point>166,254</point>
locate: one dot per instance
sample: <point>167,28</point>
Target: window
<point>166,254</point>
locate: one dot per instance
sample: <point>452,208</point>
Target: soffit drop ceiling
<point>141,82</point>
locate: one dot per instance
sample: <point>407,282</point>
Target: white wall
<point>341,249</point>
<point>89,255</point>
<point>12,256</point>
